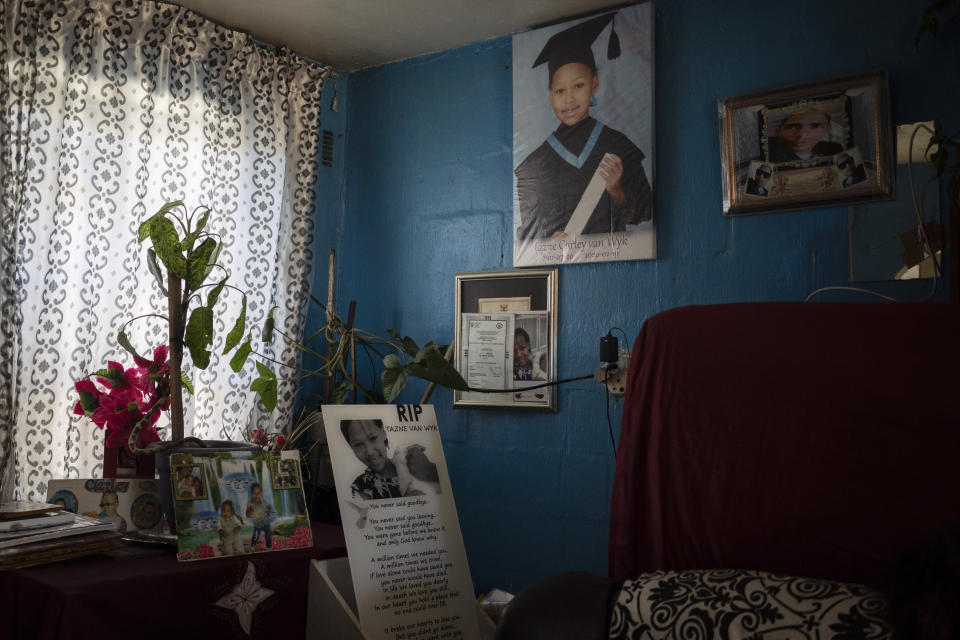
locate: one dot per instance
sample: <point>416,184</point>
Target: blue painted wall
<point>427,193</point>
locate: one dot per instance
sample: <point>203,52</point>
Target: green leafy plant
<point>334,344</point>
<point>182,256</point>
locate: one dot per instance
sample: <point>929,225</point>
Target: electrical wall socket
<point>616,379</point>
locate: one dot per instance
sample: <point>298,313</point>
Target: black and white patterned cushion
<point>746,605</point>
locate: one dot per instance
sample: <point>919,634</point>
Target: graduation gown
<point>550,183</point>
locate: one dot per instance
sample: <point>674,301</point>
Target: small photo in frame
<point>809,145</point>
<point>286,473</point>
<point>189,483</point>
<point>146,511</point>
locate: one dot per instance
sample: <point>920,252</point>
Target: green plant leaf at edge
<point>198,336</point>
<point>89,401</point>
<point>268,325</point>
<point>265,386</point>
<point>144,230</point>
<point>393,381</point>
<point>432,366</point>
<point>197,261</point>
<point>154,268</point>
<point>186,382</point>
<point>269,396</point>
<point>392,361</point>
<point>124,342</point>
<point>240,357</point>
<point>239,327</point>
<point>265,371</point>
<point>166,242</point>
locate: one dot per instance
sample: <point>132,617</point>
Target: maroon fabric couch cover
<point>814,439</point>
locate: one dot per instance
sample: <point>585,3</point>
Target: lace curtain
<point>110,109</point>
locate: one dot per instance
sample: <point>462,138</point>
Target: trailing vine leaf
<point>266,386</point>
<point>154,268</point>
<point>239,327</point>
<point>197,262</point>
<point>240,357</point>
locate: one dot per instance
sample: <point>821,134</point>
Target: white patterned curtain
<point>110,109</point>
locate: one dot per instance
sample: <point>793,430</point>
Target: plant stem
<point>177,328</point>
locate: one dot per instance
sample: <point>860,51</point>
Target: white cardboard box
<point>332,605</point>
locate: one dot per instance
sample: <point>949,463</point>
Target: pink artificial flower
<point>258,436</point>
<point>120,409</point>
<point>89,393</point>
<point>279,443</point>
<point>153,371</point>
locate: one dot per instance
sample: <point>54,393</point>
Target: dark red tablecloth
<point>147,594</point>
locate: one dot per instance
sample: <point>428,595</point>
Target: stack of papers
<point>36,533</point>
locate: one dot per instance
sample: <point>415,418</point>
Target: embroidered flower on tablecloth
<point>245,598</point>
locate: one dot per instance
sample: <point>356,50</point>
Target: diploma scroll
<point>588,202</point>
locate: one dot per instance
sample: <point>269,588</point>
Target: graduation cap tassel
<point>613,47</point>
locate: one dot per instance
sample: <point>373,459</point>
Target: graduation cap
<point>573,44</point>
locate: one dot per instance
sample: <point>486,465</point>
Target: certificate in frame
<point>513,348</point>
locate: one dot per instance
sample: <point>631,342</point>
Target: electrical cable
<point>536,386</point>
<point>613,443</point>
<point>918,207</point>
<point>857,289</point>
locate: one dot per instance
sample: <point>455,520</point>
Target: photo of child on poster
<point>407,471</point>
<point>407,560</point>
<point>242,508</point>
<point>583,140</point>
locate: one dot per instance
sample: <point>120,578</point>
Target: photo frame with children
<point>131,504</point>
<point>251,502</point>
<point>583,138</point>
<point>816,144</point>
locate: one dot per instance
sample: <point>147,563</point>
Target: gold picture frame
<point>816,144</point>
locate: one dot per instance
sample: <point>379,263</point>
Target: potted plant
<point>183,257</point>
